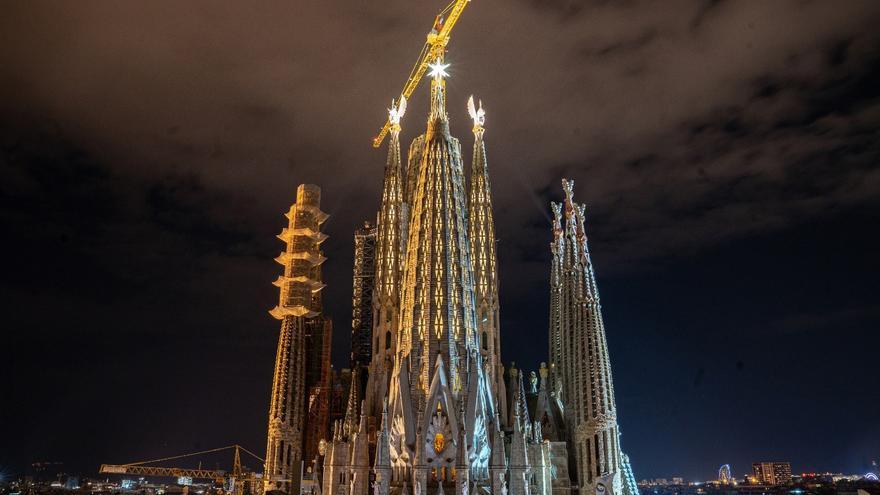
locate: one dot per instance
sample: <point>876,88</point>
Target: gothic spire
<point>601,386</point>
<point>386,288</point>
<point>580,354</point>
<point>482,224</point>
<point>522,408</point>
<point>481,230</point>
<point>498,461</point>
<point>569,252</point>
<point>382,460</point>
<point>383,454</point>
<point>591,289</point>
<point>437,308</point>
<point>519,458</point>
<point>388,240</point>
<point>351,410</point>
<point>548,414</point>
<point>360,453</point>
<point>556,277</point>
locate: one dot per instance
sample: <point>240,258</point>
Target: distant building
<point>772,473</point>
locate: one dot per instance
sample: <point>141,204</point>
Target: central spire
<point>438,89</point>
<point>437,310</point>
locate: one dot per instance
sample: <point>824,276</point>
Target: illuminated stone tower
<point>440,401</point>
<point>437,414</point>
<point>429,401</point>
<point>390,228</point>
<point>579,358</point>
<point>481,232</point>
<point>299,309</point>
<point>438,308</point>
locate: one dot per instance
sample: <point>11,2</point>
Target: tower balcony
<point>316,212</point>
<point>287,234</point>
<point>313,258</point>
<point>313,285</point>
<point>279,312</point>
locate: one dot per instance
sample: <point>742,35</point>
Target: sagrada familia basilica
<point>430,407</point>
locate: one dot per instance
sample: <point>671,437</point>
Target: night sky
<point>727,151</point>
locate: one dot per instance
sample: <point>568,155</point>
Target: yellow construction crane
<point>433,51</point>
<point>141,469</point>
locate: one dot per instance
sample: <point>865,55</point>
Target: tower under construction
<point>300,387</point>
<point>362,296</point>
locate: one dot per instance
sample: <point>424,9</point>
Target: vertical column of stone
<point>481,230</point>
<point>388,260</point>
<point>588,386</point>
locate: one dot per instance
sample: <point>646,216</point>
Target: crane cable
<point>448,8</point>
<point>194,454</point>
<point>252,454</point>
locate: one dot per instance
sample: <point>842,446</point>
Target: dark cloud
<point>150,149</point>
<point>705,9</point>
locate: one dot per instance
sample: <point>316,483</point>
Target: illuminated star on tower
<point>438,69</point>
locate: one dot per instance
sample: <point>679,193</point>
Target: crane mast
<point>433,51</point>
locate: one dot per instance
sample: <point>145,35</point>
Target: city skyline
<point>731,214</point>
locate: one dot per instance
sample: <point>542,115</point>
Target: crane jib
<point>437,40</point>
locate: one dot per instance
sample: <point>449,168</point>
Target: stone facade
<point>440,413</point>
<point>580,368</point>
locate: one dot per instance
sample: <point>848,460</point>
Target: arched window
<point>388,340</point>
<point>280,459</point>
<point>376,347</point>
<point>485,339</point>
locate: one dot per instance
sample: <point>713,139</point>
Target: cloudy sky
<point>727,151</point>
